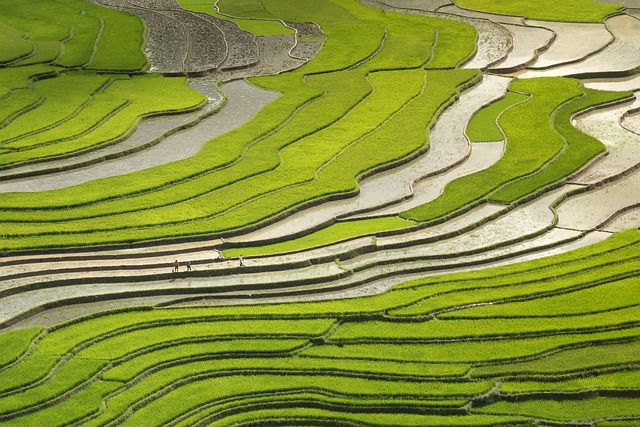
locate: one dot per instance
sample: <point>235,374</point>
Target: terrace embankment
<point>490,234</point>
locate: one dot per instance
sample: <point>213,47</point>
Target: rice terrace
<point>319,213</point>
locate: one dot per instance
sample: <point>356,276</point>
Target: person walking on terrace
<point>241,259</point>
<point>188,265</point>
<point>176,266</point>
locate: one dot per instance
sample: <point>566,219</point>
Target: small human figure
<point>241,259</point>
<point>188,265</point>
<point>176,266</point>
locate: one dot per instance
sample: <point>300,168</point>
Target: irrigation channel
<point>53,287</point>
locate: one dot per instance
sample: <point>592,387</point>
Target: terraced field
<point>393,213</point>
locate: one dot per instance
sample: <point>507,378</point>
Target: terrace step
<point>243,101</point>
<point>618,59</point>
<point>362,264</point>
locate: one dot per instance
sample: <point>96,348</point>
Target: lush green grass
<point>547,10</point>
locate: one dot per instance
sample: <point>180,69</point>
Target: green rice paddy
<point>553,341</point>
<point>345,358</point>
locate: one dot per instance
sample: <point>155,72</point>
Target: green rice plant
<point>92,35</point>
<point>183,349</point>
<point>313,416</point>
<point>118,343</point>
<point>81,368</point>
<point>606,296</point>
<point>249,8</point>
<point>153,95</point>
<point>22,77</point>
<point>118,50</point>
<point>318,398</point>
<point>365,118</point>
<point>220,350</point>
<point>46,52</point>
<point>483,126</point>
<point>546,10</point>
<point>567,410</point>
<point>17,103</point>
<point>621,380</point>
<point>175,323</point>
<point>248,373</point>
<point>72,374</point>
<point>124,343</point>
<point>569,360</point>
<point>621,246</point>
<point>237,388</point>
<point>79,43</point>
<point>579,150</point>
<point>231,193</point>
<point>531,143</point>
<point>63,96</point>
<point>99,108</point>
<point>342,230</point>
<point>229,149</point>
<point>41,20</point>
<point>616,423</point>
<point>481,351</point>
<point>407,45</point>
<point>456,43</point>
<point>15,44</point>
<point>243,207</point>
<point>15,343</point>
<point>78,406</point>
<point>263,155</point>
<point>372,331</point>
<point>34,368</point>
<point>485,293</point>
<point>259,25</point>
